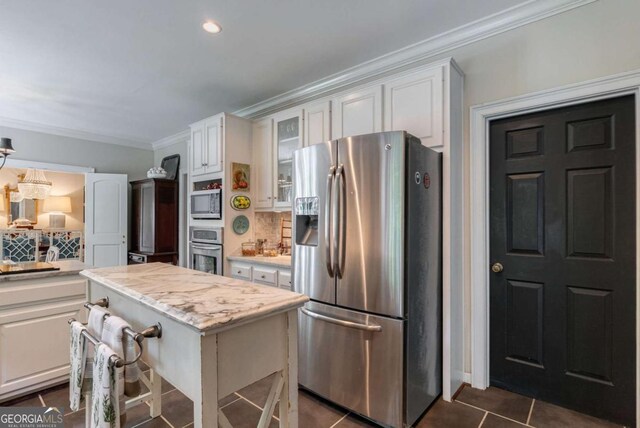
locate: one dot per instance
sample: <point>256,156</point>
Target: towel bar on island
<point>153,331</point>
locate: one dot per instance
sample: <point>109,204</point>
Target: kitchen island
<point>34,335</point>
<point>218,334</point>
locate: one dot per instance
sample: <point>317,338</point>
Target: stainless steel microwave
<point>206,204</point>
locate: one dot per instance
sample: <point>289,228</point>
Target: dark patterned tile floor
<point>492,408</point>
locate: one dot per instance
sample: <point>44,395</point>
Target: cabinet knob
<point>239,272</point>
<point>263,277</point>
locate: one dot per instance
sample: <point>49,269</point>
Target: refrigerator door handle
<point>344,323</point>
<point>328,213</point>
<point>340,234</point>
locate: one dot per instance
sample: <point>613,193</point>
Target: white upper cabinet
<point>317,123</point>
<point>357,112</point>
<point>197,149</point>
<point>206,146</point>
<point>263,163</point>
<point>287,137</point>
<point>213,133</point>
<point>415,103</point>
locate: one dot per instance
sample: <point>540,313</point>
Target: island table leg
<point>289,394</point>
<point>205,404</point>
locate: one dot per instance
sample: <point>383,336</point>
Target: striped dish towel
<point>97,315</point>
<point>78,358</point>
<point>105,406</point>
<point>114,336</point>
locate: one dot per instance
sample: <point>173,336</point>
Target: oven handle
<point>344,323</point>
<point>201,247</point>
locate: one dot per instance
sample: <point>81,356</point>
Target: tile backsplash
<point>267,225</point>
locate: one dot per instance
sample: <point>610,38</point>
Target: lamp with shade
<point>57,206</point>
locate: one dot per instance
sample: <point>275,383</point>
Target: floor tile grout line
<point>483,418</point>
<point>42,400</point>
<point>255,405</point>
<point>228,404</point>
<point>531,411</point>
<point>340,420</point>
<point>493,413</point>
<point>249,401</point>
<point>167,422</point>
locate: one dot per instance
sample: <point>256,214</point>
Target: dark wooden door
<point>563,221</point>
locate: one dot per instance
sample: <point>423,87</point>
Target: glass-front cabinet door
<point>287,138</point>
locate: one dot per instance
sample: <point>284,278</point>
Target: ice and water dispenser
<point>306,212</point>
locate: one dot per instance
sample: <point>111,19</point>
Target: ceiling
<point>143,70</point>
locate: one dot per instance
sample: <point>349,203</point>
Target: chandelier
<point>34,185</point>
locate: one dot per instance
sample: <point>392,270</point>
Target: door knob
<point>497,267</point>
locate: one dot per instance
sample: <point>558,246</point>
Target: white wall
<point>592,41</point>
<point>108,158</point>
<point>179,148</point>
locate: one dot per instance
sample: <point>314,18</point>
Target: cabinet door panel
<point>317,123</point>
<point>34,344</point>
<point>358,113</point>
<point>414,104</point>
<point>147,218</point>
<point>262,163</point>
<point>213,134</point>
<point>287,131</point>
<point>197,150</point>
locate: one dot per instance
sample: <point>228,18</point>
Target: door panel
<point>263,163</point>
<point>373,245</point>
<point>106,219</point>
<point>311,167</point>
<point>358,369</point>
<point>357,113</point>
<point>563,226</point>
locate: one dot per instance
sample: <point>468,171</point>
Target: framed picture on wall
<point>240,177</point>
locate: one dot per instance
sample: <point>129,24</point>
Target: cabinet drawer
<point>241,272</point>
<point>29,292</point>
<point>265,276</point>
<point>284,279</point>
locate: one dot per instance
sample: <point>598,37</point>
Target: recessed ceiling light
<point>211,27</point>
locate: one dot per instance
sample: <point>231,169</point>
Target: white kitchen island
<point>218,334</point>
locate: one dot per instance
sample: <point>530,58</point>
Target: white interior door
<point>106,219</point>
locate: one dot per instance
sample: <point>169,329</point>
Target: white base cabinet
<point>34,333</point>
<point>262,274</point>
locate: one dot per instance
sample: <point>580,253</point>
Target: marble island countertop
<point>67,267</point>
<point>278,261</point>
<point>197,299</point>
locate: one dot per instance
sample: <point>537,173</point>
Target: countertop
<point>67,267</point>
<point>197,299</point>
<point>279,261</point>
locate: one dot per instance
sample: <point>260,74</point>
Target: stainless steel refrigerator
<point>367,251</point>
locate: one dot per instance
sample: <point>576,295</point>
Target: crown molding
<point>182,136</point>
<point>75,133</point>
<point>416,54</point>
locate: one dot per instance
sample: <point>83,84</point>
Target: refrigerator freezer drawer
<point>354,360</point>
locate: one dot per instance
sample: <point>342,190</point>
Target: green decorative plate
<point>240,225</point>
<point>240,202</point>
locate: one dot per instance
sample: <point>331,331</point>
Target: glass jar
<point>270,250</point>
<point>249,249</point>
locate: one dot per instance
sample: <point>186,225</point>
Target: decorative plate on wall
<point>240,202</point>
<point>240,225</point>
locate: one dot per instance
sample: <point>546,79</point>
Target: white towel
<point>105,407</point>
<point>78,357</point>
<point>97,315</point>
<point>114,336</point>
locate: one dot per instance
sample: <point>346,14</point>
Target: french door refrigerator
<point>367,251</point>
